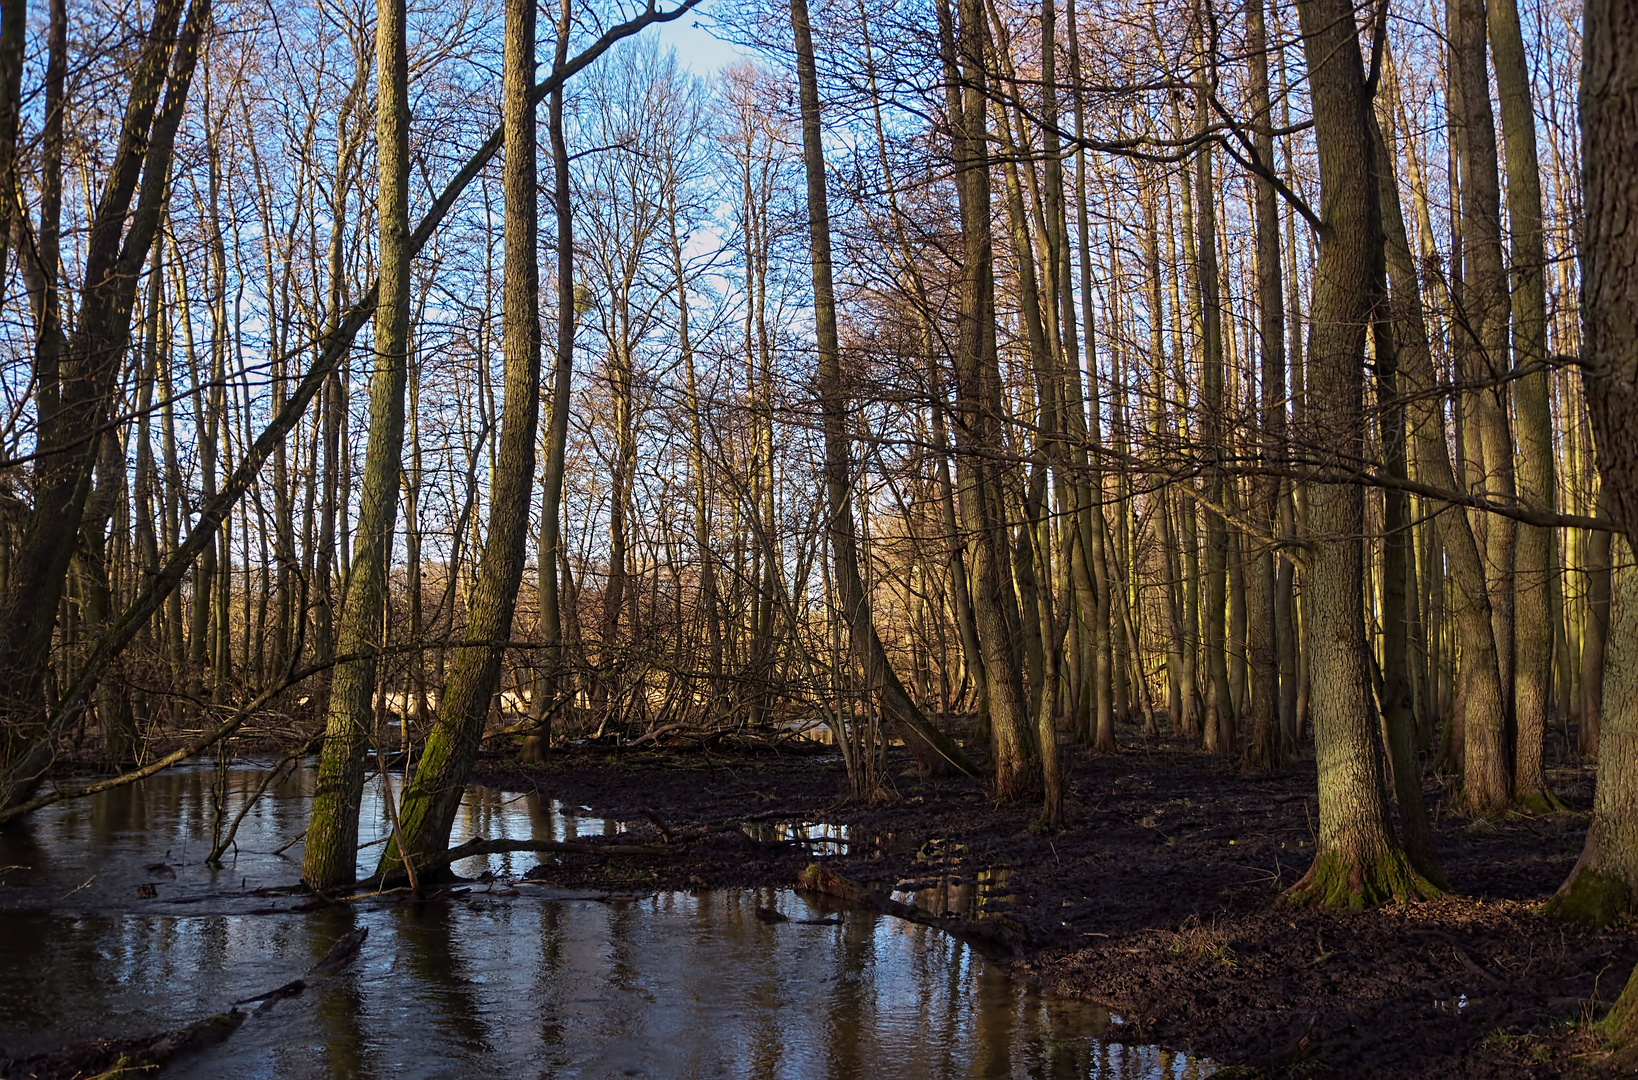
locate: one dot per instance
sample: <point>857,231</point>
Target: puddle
<point>532,984</point>
<point>1454,1006</point>
<point>945,882</point>
<point>825,838</point>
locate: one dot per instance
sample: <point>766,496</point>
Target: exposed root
<point>1337,882</point>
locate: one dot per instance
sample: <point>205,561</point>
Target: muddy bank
<point>1160,901</point>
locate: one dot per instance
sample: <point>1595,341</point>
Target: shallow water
<point>536,983</point>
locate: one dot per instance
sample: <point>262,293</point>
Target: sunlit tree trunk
<point>934,751</point>
<point>1356,859</point>
<point>434,795</point>
<point>1425,425</point>
<point>1483,351</point>
<point>978,405</point>
<point>330,857</point>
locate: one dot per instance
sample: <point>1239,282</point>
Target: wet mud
<point>1161,901</point>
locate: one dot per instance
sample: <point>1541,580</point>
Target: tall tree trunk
<point>1484,712</point>
<point>1483,352</point>
<point>1604,884</point>
<point>13,34</point>
<point>71,428</point>
<point>1356,859</point>
<point>1202,237</point>
<point>331,854</point>
<point>550,556</point>
<point>978,399</point>
<point>1266,748</point>
<point>1594,643</point>
<point>1536,557</point>
<point>934,751</point>
<point>434,796</point>
<point>1396,692</point>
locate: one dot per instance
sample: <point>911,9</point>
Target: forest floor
<point>1161,901</point>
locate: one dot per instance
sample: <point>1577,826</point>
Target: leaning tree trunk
<point>934,751</point>
<point>1357,860</point>
<point>434,795</point>
<point>331,854</point>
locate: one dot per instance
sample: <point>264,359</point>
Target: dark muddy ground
<point>1161,901</point>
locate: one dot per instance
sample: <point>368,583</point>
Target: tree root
<point>1337,882</point>
<point>1590,896</point>
<point>1619,1028</point>
<point>1541,802</point>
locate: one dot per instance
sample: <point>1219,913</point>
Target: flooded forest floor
<point>1161,900</point>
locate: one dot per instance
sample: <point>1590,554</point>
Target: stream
<point>113,925</point>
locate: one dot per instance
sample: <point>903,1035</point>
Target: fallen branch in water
<point>127,1059</point>
<point>503,847</point>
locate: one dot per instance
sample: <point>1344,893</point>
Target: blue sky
<point>696,48</point>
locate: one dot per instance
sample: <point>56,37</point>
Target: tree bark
<point>330,856</point>
<point>978,400</point>
<point>1535,555</point>
<point>1357,861</point>
<point>1482,351</point>
<point>1425,423</point>
<point>434,795</point>
<point>1266,748</point>
<point>70,427</point>
<point>934,751</point>
<point>1604,883</point>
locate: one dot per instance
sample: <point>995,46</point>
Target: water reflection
<point>674,984</point>
<point>945,881</point>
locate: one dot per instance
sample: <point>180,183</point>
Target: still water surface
<point>511,980</point>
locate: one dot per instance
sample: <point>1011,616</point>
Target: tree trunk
<point>1594,643</point>
<point>1483,718</point>
<point>1604,883</point>
<point>934,751</point>
<point>434,796</point>
<point>978,401</point>
<point>1266,748</point>
<point>1536,557</point>
<point>71,427</point>
<point>331,854</point>
<point>1356,859</point>
<point>1482,351</point>
<point>1396,692</point>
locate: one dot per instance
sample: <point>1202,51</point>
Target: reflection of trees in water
<point>674,983</point>
<point>341,1002</point>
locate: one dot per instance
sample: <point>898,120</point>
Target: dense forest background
<point>989,379</point>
